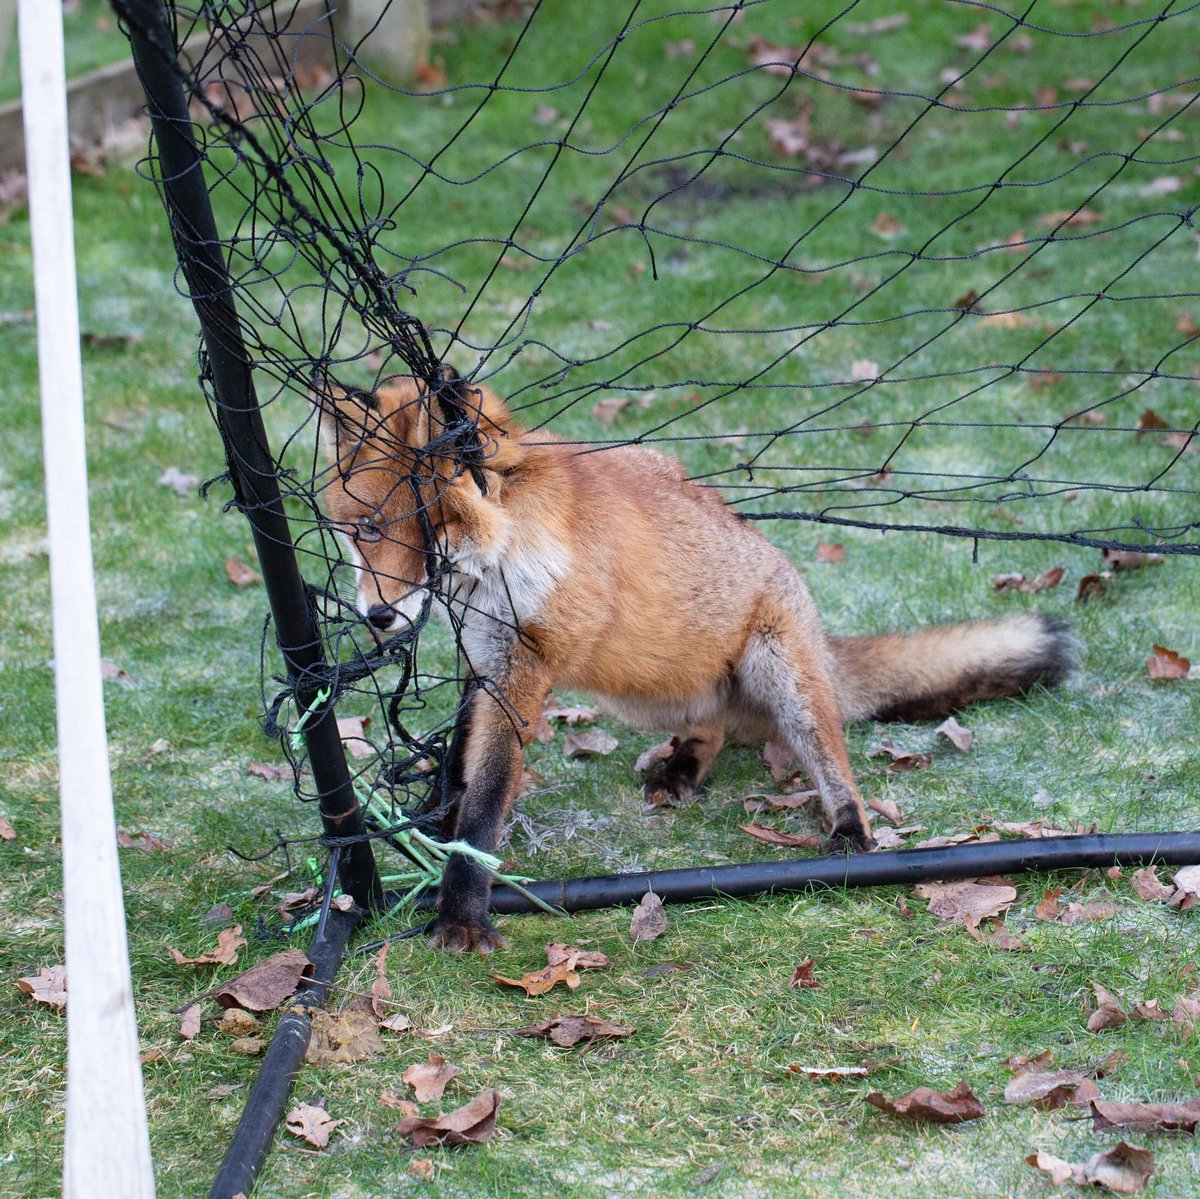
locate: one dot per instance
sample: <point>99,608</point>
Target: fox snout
<point>382,617</point>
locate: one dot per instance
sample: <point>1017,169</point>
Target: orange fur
<point>613,573</point>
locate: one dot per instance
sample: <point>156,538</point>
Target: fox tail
<point>915,676</point>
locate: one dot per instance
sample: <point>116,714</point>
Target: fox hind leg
<point>784,676</point>
<point>679,777</point>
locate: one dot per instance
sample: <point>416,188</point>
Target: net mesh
<point>740,234</point>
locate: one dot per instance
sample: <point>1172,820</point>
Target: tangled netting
<point>718,231</point>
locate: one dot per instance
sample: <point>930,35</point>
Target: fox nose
<point>381,616</point>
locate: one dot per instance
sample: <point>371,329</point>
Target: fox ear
<point>347,416</point>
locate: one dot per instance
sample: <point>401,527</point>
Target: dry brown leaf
<point>312,1124</point>
<point>1002,937</point>
<point>1060,1171</point>
<point>589,743</point>
<point>342,1037</point>
<point>265,771</point>
<point>430,1079</point>
<point>778,803</point>
<point>1109,1013</point>
<point>1110,1063</point>
<point>577,959</point>
<point>572,716</point>
<point>886,225</point>
<point>966,903</point>
<point>901,759</point>
<point>1028,1063</point>
<point>1125,1169</point>
<point>1165,663</point>
<point>830,553</point>
<point>1096,909</point>
<point>189,1023</point>
<point>1187,888</point>
<point>606,411</point>
<point>1148,886</point>
<point>7,832</point>
<point>421,1168</point>
<point>563,963</point>
<point>1090,587</point>
<point>656,753</point>
<point>1046,581</point>
<point>396,1022</point>
<point>954,732</point>
<point>926,1106</point>
<point>649,919</point>
<point>1050,1089</point>
<point>1186,1014</point>
<point>895,838</point>
<point>265,986</point>
<point>1048,907</point>
<point>778,759</point>
<point>352,731</point>
<point>381,989</point>
<point>778,836</point>
<point>889,809</point>
<point>571,1030</point>
<point>472,1124</point>
<point>1150,420</point>
<point>48,986</point>
<point>241,574</point>
<point>1149,1009</point>
<point>147,842</point>
<point>390,1098</point>
<point>229,941</point>
<point>802,977</point>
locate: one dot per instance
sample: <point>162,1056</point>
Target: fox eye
<point>365,529</point>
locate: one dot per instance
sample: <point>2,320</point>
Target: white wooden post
<point>396,34</point>
<point>107,1150</point>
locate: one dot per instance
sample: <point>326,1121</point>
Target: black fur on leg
<point>675,780</point>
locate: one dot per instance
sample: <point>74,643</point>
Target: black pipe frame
<point>252,466</point>
<point>284,1057</point>
<point>895,867</point>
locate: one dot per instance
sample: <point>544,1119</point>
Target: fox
<point>614,574</point>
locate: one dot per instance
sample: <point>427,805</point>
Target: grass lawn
<point>701,1099</point>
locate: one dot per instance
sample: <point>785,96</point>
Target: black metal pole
<point>974,860</point>
<point>284,1057</point>
<point>252,466</point>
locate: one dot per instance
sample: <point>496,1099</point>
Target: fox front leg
<point>496,728</point>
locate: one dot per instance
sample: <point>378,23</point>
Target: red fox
<point>613,574</point>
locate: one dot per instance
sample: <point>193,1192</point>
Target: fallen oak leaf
<point>1148,886</point>
<point>1096,909</point>
<point>241,573</point>
<point>778,803</point>
<point>538,982</point>
<point>656,753</point>
<point>889,809</point>
<point>572,716</point>
<point>266,985</point>
<point>1166,664</point>
<point>829,1073</point>
<point>926,1106</point>
<point>1185,1015</point>
<point>590,743</point>
<point>1048,907</point>
<point>189,1024</point>
<point>1187,888</point>
<point>7,832</point>
<point>954,732</point>
<point>1109,1013</point>
<point>472,1124</point>
<point>649,919</point>
<point>966,903</point>
<point>1047,580</point>
<point>430,1079</point>
<point>352,731</point>
<point>1028,1063</point>
<point>802,977</point>
<point>264,771</point>
<point>48,986</point>
<point>1060,1170</point>
<point>571,1030</point>
<point>781,837</point>
<point>1125,1169</point>
<point>390,1098</point>
<point>579,959</point>
<point>830,553</point>
<point>1050,1089</point>
<point>1149,1009</point>
<point>147,842</point>
<point>229,941</point>
<point>312,1124</point>
<point>901,759</point>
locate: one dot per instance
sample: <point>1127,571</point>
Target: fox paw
<point>667,789</point>
<point>461,936</point>
<point>849,840</point>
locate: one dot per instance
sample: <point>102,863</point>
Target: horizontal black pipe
<point>973,860</point>
<point>284,1057</point>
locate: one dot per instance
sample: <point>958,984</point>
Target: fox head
<point>413,485</point>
